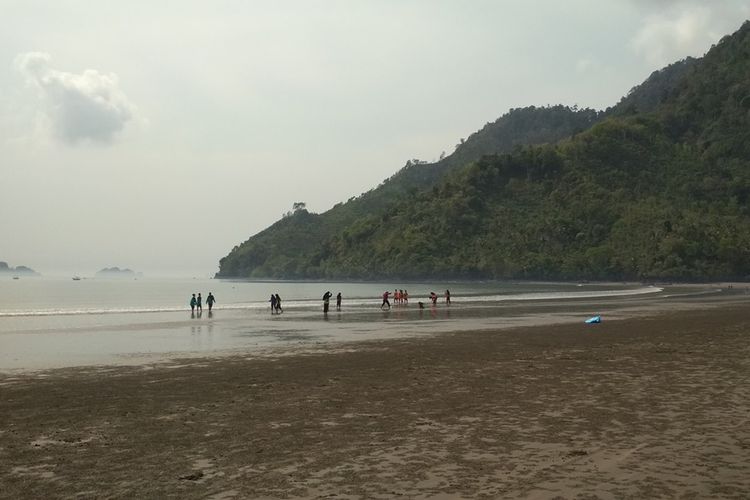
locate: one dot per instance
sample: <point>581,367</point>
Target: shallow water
<point>49,323</point>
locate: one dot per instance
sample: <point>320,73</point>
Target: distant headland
<point>116,272</point>
<point>27,271</point>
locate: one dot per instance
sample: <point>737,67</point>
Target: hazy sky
<point>158,135</point>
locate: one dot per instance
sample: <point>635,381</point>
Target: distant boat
<point>76,278</point>
<point>15,277</point>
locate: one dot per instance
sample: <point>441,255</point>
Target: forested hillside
<point>656,189</point>
<point>285,249</point>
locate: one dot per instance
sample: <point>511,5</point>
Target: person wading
<point>385,300</point>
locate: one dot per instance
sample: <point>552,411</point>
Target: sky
<point>158,135</point>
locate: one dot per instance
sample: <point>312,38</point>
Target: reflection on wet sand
<point>130,338</point>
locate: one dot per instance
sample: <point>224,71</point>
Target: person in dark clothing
<point>193,302</point>
<point>448,297</point>
<point>385,300</point>
<point>210,301</point>
<point>338,301</point>
<point>326,297</point>
<point>273,303</point>
<point>199,303</point>
<point>279,310</point>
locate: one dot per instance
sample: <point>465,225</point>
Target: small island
<point>18,270</point>
<point>116,272</point>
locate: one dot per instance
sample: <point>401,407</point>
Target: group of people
<point>276,304</point>
<point>400,297</point>
<point>327,298</point>
<point>196,303</point>
<point>434,298</point>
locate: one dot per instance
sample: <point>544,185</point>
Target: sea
<point>48,322</point>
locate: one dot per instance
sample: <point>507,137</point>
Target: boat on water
<point>76,278</point>
<point>15,277</point>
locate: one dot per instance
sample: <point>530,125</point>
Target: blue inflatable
<point>595,319</point>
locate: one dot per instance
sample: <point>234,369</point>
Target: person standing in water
<point>210,301</point>
<point>338,301</point>
<point>385,300</point>
<point>279,310</point>
<point>199,303</point>
<point>447,297</point>
<point>273,303</point>
<point>326,298</point>
<point>193,303</point>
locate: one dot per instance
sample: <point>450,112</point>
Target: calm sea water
<point>35,297</point>
<point>56,322</point>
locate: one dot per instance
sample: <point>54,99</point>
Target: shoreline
<point>648,406</point>
<point>38,345</point>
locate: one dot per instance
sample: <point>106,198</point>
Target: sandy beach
<point>656,406</point>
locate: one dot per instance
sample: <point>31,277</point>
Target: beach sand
<point>648,407</point>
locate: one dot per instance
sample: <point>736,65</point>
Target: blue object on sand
<point>595,319</point>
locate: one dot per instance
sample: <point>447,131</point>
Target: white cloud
<point>584,65</point>
<point>685,28</point>
<point>80,107</point>
<point>664,39</point>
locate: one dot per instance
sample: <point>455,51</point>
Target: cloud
<point>81,107</point>
<point>584,65</point>
<point>682,28</point>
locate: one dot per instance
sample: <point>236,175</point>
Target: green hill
<point>288,248</point>
<point>656,189</point>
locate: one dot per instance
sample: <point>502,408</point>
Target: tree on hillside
<point>297,206</point>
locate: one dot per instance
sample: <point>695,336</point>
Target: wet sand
<point>647,407</point>
<point>67,341</point>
